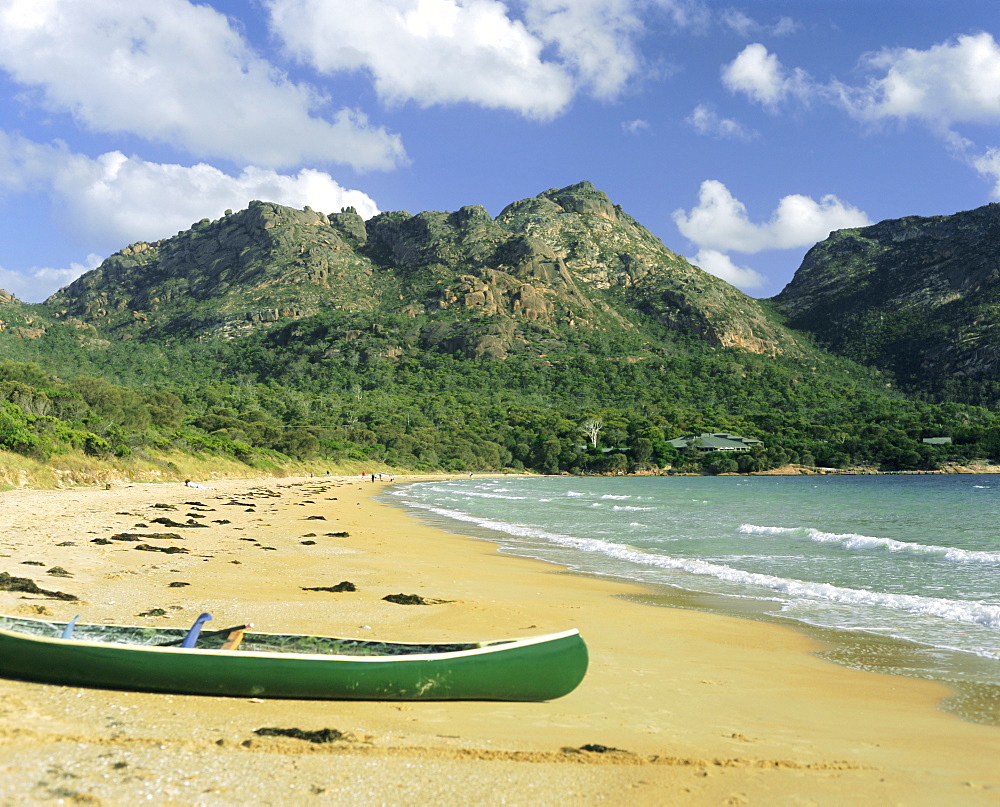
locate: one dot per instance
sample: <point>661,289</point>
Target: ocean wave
<point>614,496</point>
<point>629,508</point>
<point>456,492</point>
<point>855,541</point>
<point>482,495</point>
<point>955,610</point>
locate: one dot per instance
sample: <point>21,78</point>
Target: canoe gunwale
<point>483,648</point>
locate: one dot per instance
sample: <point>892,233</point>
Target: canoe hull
<point>536,669</point>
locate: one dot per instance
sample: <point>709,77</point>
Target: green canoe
<point>286,666</point>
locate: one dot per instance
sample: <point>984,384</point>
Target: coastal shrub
<point>14,433</point>
<point>95,446</point>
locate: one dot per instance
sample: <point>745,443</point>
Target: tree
<point>592,427</point>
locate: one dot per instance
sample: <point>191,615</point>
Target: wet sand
<point>703,709</point>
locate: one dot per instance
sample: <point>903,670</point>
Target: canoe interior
<point>254,642</point>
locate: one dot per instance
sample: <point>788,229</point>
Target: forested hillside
<point>560,336</point>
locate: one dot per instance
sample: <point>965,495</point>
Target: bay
<point>897,574</point>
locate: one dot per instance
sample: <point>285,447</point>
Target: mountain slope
<point>566,260</point>
<point>919,297</point>
<point>456,341</point>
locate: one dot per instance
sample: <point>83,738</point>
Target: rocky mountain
<point>20,319</point>
<point>917,296</point>
<point>460,341</point>
<point>567,260</point>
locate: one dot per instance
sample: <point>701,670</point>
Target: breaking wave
<point>864,542</point>
<point>959,611</point>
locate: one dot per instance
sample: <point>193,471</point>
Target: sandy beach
<point>692,708</point>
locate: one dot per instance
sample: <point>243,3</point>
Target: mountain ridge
<point>566,258</point>
<point>918,297</point>
<point>460,341</point>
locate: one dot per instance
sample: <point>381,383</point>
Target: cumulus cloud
<point>720,221</point>
<point>38,283</point>
<point>113,200</point>
<point>478,51</point>
<point>428,51</point>
<point>708,122</point>
<point>593,37</point>
<point>174,72</point>
<point>759,75</point>
<point>954,82</point>
<point>721,265</point>
<point>943,87</point>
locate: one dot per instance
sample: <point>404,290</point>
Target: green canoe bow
<point>287,666</point>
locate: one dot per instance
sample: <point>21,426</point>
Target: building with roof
<point>715,441</point>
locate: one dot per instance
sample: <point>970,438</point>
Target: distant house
<point>937,441</point>
<point>715,441</point>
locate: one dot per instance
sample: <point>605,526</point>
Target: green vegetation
<point>559,337</point>
<point>366,390</point>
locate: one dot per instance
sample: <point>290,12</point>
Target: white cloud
<point>634,127</point>
<point>480,52</point>
<point>594,37</point>
<point>114,200</point>
<point>428,51</point>
<point>954,82</point>
<point>178,73</point>
<point>708,122</point>
<point>760,76</point>
<point>721,265</point>
<point>949,84</point>
<point>988,166</point>
<point>38,283</point>
<point>747,26</point>
<point>720,221</point>
<point>691,14</point>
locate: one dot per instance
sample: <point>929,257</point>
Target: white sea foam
<point>483,495</point>
<point>955,610</point>
<point>855,541</point>
<point>614,496</point>
<point>628,507</point>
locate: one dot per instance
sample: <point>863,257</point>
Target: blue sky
<point>739,133</point>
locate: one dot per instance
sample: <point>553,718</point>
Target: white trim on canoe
<point>485,648</point>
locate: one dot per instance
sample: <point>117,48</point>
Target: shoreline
<point>971,679</point>
<point>705,708</point>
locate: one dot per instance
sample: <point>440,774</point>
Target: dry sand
<point>705,709</point>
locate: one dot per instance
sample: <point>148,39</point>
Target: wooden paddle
<point>206,634</point>
<point>234,638</point>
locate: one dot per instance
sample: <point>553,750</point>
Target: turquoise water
<point>914,558</point>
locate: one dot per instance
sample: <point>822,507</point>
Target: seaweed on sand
<point>346,585</point>
<point>28,586</point>
<point>318,736</point>
<point>412,599</point>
